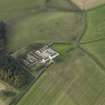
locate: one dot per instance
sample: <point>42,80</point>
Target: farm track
<point>11,23</point>
<point>89,54</point>
<point>82,35</point>
<point>94,58</point>
<point>79,44</point>
<point>92,41</point>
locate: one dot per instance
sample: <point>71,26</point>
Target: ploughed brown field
<point>88,4</point>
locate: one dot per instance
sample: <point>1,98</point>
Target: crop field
<point>80,78</point>
<point>96,25</point>
<point>81,82</point>
<point>94,39</point>
<point>88,4</point>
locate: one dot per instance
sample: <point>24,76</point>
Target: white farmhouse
<point>47,54</point>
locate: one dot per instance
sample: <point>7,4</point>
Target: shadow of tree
<point>3,33</point>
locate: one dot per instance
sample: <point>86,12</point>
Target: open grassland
<point>96,25</point>
<point>94,38</point>
<point>62,48</point>
<point>15,10</point>
<point>10,9</point>
<point>97,50</point>
<point>94,42</point>
<point>88,4</point>
<point>78,80</point>
<point>31,21</point>
<point>48,26</point>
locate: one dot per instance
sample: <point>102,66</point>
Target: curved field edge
<point>88,4</point>
<point>87,86</point>
<point>11,14</point>
<point>23,21</point>
<point>97,93</point>
<point>98,49</point>
<point>53,27</point>
<point>94,38</point>
<point>95,25</point>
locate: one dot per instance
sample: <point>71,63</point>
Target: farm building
<point>2,30</point>
<point>45,55</point>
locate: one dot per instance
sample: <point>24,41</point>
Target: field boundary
<point>77,39</point>
<point>97,7</point>
<point>92,41</point>
<point>94,58</point>
<point>85,29</point>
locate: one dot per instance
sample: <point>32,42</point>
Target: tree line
<point>13,73</point>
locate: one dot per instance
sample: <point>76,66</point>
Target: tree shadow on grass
<point>3,35</point>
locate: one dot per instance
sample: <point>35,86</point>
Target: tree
<point>2,30</point>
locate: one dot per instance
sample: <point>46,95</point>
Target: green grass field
<point>97,49</point>
<point>78,80</point>
<point>62,48</point>
<point>15,10</point>
<point>11,9</point>
<point>46,27</point>
<point>94,39</point>
<point>96,25</point>
<point>40,21</point>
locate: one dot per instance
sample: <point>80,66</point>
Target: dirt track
<point>87,4</point>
